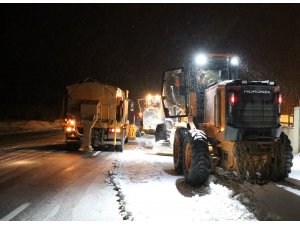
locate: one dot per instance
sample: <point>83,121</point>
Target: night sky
<point>45,47</point>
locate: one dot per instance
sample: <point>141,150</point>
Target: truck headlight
<point>72,122</point>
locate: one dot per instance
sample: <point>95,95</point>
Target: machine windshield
<point>173,99</point>
<point>212,69</point>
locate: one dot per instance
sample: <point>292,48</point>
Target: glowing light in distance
<point>72,122</point>
<point>70,129</point>
<point>149,97</point>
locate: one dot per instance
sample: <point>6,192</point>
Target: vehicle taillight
<point>279,99</point>
<point>118,130</point>
<point>70,125</point>
<point>70,129</point>
<point>233,99</point>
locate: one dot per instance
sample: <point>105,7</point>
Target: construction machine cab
<point>182,89</point>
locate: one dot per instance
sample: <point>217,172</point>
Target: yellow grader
<point>229,123</point>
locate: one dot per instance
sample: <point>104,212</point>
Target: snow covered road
<point>150,190</point>
<point>154,192</point>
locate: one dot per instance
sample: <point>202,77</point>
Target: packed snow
<point>169,198</point>
<point>150,190</point>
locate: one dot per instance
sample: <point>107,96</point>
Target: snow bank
<point>31,125</point>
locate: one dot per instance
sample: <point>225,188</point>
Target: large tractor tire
<point>285,158</point>
<point>161,132</point>
<point>196,161</point>
<point>178,149</point>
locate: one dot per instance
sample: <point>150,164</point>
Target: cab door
<point>174,93</point>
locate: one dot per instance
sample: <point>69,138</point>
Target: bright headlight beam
<point>201,59</point>
<point>234,61</point>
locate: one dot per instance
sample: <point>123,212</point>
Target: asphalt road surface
<point>40,180</point>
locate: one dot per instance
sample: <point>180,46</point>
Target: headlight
<point>234,61</point>
<point>201,59</point>
<point>149,97</point>
<point>72,122</point>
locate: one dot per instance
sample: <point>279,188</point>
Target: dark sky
<point>45,47</point>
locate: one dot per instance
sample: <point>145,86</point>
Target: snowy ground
<point>295,174</point>
<point>147,168</point>
<point>173,200</point>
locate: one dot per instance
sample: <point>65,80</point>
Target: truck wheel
<point>285,158</point>
<point>178,149</point>
<point>196,161</point>
<point>160,132</point>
